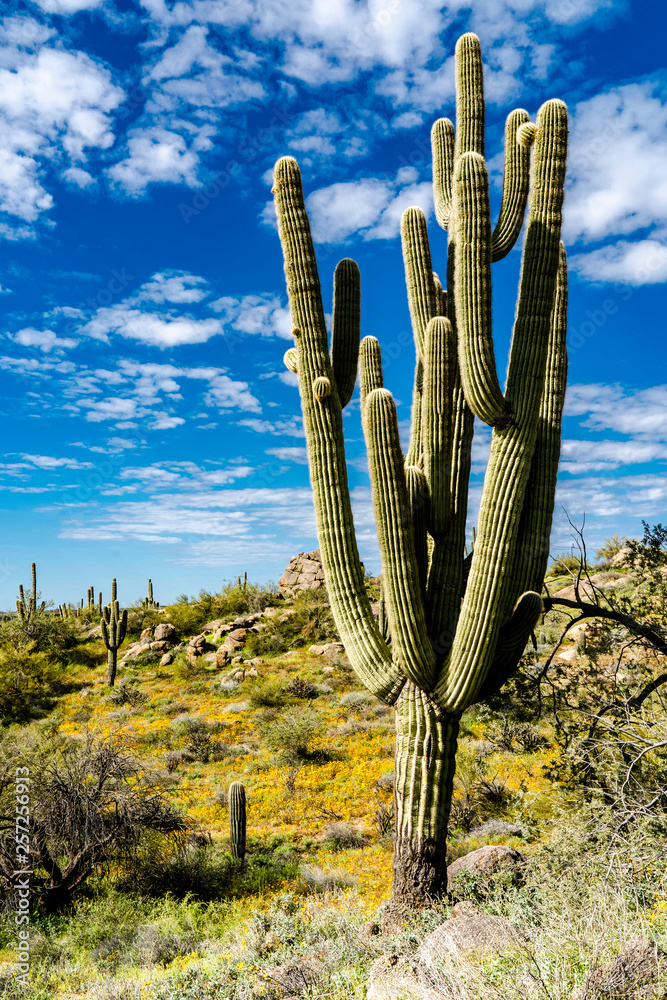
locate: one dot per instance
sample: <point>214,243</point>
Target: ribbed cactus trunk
<point>453,627</point>
<point>114,627</point>
<point>425,762</point>
<point>237,820</point>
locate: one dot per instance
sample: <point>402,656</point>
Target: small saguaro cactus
<point>457,624</point>
<point>114,627</point>
<point>148,602</point>
<point>25,607</point>
<point>237,819</point>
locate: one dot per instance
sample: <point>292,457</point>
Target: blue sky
<point>150,426</point>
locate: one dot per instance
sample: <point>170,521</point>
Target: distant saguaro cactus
<point>114,627</point>
<point>26,607</point>
<point>148,602</point>
<point>457,626</point>
<point>237,820</point>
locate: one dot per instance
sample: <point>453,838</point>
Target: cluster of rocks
<point>470,931</point>
<point>304,572</point>
<point>207,641</point>
<point>162,639</point>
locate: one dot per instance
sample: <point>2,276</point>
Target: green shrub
<point>92,806</point>
<point>309,620</point>
<point>28,681</point>
<point>301,688</point>
<point>565,564</point>
<point>43,632</point>
<point>267,692</point>
<point>188,614</point>
<point>203,872</point>
<point>292,735</point>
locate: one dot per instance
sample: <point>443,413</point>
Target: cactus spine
<point>458,625</point>
<point>237,820</point>
<point>114,627</point>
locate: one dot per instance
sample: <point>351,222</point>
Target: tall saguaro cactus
<point>237,819</point>
<point>114,627</point>
<point>457,626</point>
<point>26,607</point>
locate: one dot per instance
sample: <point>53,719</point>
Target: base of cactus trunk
<point>419,880</point>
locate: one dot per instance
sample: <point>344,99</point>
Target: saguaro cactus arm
<point>345,328</point>
<point>323,423</point>
<point>516,181</point>
<point>442,146</point>
<point>512,447</point>
<point>400,570</point>
<point>470,108</point>
<point>473,292</point>
<point>536,516</point>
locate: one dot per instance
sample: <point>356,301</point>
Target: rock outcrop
<point>304,572</point>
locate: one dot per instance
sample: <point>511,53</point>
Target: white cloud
<point>54,106</point>
<point>171,286</point>
<point>45,340</point>
<point>111,408</point>
<point>156,155</point>
<point>179,475</point>
<point>326,133</point>
<point>227,394</point>
<point>47,462</point>
<point>254,518</point>
<point>641,263</point>
<point>298,455</point>
<point>192,72</point>
<point>67,6</point>
<point>618,185</point>
<point>641,414</point>
<point>292,427</point>
<point>578,457</point>
<point>164,331</point>
<point>371,207</point>
<point>78,177</point>
<point>262,315</point>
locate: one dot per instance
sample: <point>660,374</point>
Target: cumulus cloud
<point>579,457</point>
<point>370,207</point>
<point>292,427</point>
<point>171,286</point>
<point>45,340</point>
<point>54,107</point>
<point>157,156</point>
<point>159,330</point>
<point>255,315</point>
<point>298,455</point>
<point>67,6</point>
<point>47,462</point>
<point>227,394</point>
<point>640,263</point>
<point>618,185</point>
<point>641,414</point>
